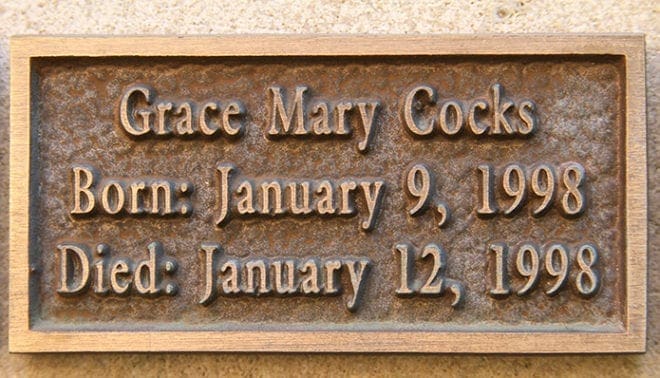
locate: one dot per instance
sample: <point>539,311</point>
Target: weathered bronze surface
<point>414,194</point>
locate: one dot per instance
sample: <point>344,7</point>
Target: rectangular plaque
<point>311,193</point>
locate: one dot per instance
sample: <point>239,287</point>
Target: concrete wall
<point>396,17</point>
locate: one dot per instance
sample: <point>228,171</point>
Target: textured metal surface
<point>580,118</point>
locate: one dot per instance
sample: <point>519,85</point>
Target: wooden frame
<point>22,338</point>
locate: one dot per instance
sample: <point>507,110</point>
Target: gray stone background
<point>374,17</point>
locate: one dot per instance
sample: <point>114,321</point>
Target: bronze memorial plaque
<point>328,193</point>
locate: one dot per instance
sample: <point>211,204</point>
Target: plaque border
<point>632,338</point>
